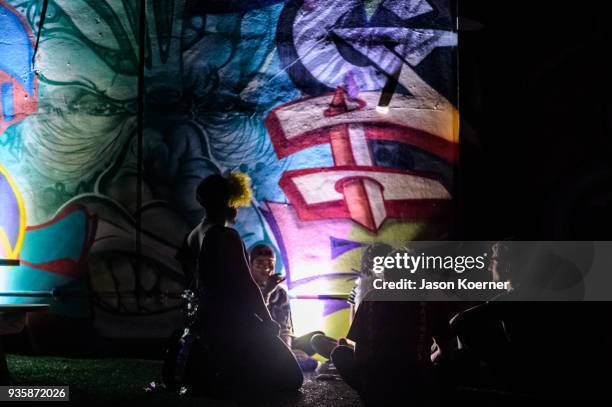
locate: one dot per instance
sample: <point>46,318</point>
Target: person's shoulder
<point>192,236</point>
<point>222,230</point>
<point>229,232</point>
<point>224,234</point>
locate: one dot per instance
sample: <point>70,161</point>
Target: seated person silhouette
<point>263,265</point>
<point>240,348</point>
<point>388,361</point>
<point>551,347</point>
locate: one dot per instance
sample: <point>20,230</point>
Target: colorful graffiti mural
<point>342,112</point>
<point>12,217</point>
<point>17,81</point>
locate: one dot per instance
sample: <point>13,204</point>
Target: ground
<point>121,381</point>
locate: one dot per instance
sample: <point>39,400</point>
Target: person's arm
<point>288,337</point>
<point>281,313</point>
<point>184,255</point>
<point>239,273</point>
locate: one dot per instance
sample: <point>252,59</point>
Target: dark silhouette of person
<point>389,363</point>
<point>542,346</point>
<point>244,353</point>
<point>263,265</point>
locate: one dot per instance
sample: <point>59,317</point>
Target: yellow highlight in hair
<point>240,189</point>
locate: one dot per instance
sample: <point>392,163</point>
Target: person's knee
<point>323,345</point>
<point>288,378</point>
<point>343,354</point>
<point>296,381</point>
<point>287,369</point>
<point>275,379</point>
<point>343,358</point>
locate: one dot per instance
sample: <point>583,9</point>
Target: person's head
<point>263,263</point>
<point>503,262</point>
<point>221,196</point>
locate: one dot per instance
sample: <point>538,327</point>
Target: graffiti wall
<point>342,112</point>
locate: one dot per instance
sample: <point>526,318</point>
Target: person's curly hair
<point>221,196</point>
